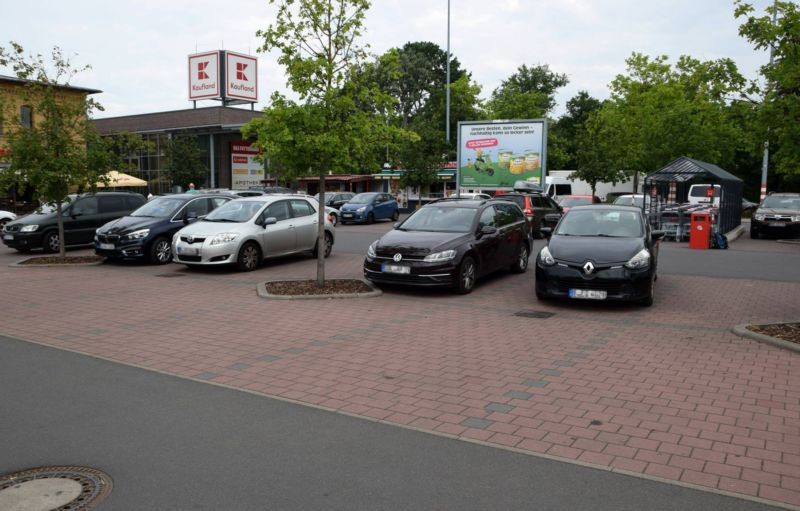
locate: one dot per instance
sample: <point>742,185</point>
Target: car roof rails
<point>527,186</point>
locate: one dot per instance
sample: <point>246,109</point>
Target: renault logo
<point>588,268</point>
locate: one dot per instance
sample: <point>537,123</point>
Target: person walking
<point>191,188</point>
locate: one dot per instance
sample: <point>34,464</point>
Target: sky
<point>138,50</point>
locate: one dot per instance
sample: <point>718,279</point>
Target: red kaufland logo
<point>240,67</point>
<point>201,70</point>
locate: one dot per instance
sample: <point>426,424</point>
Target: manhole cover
<point>54,489</point>
<point>535,314</point>
<point>170,275</point>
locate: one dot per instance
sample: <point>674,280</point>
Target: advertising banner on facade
<point>204,76</point>
<point>246,171</point>
<point>241,76</point>
<point>495,154</point>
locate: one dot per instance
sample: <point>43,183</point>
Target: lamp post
<point>447,85</point>
<point>765,159</point>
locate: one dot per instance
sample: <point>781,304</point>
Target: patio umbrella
<point>119,179</point>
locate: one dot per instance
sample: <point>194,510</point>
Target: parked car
<point>472,195</point>
<point>81,217</point>
<point>5,217</point>
<point>599,252</point>
<point>451,242</point>
<point>244,232</point>
<point>336,200</point>
<point>332,213</point>
<point>147,232</point>
<point>370,206</point>
<point>539,209</point>
<point>698,194</point>
<point>272,189</point>
<point>778,214</point>
<point>569,201</point>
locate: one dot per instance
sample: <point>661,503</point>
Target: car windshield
<point>630,200</point>
<point>781,202</point>
<point>46,209</point>
<point>362,198</point>
<point>575,201</point>
<point>605,223</point>
<point>159,207</point>
<point>239,211</point>
<point>440,219</point>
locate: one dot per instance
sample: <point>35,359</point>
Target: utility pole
<point>765,160</point>
<point>447,85</point>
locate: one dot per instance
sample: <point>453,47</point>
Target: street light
<point>765,160</point>
<point>447,85</point>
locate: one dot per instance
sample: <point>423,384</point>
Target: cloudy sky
<point>138,50</point>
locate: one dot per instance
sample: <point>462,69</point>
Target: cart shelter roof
<point>684,169</point>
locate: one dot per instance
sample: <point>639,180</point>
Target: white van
<point>559,184</point>
<point>698,194</point>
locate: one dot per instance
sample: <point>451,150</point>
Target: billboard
<point>495,154</point>
<point>246,171</point>
<point>204,76</point>
<point>241,77</point>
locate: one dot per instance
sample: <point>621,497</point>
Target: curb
<point>735,233</point>
<point>21,264</point>
<point>263,293</point>
<point>741,330</point>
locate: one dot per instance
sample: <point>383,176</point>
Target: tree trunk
<point>62,250</point>
<point>321,230</point>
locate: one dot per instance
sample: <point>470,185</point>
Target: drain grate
<point>535,314</point>
<point>169,275</point>
<point>91,487</point>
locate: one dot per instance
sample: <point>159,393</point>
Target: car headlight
<point>760,217</point>
<point>371,250</point>
<point>361,209</point>
<point>28,228</point>
<point>546,257</point>
<point>137,235</point>
<point>796,218</point>
<point>225,237</point>
<point>439,257</point>
<point>639,261</point>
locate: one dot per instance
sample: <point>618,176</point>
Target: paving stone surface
<point>667,391</point>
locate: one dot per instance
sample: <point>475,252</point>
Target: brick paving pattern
<point>667,391</point>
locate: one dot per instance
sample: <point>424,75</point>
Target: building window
<point>25,116</point>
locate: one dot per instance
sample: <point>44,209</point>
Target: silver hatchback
<point>246,231</point>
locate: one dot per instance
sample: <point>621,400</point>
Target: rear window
<point>519,200</point>
<point>700,191</point>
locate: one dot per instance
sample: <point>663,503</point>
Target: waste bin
<point>700,234</point>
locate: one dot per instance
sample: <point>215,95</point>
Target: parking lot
<point>667,392</point>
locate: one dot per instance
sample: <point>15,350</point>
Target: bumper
<point>780,229</point>
<point>352,216</point>
<point>618,283</point>
<point>133,249</point>
<point>419,273</point>
<point>204,253</point>
<point>23,240</point>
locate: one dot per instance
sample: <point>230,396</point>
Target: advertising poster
<point>246,171</point>
<point>496,154</point>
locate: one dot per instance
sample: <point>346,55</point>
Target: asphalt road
<point>174,444</point>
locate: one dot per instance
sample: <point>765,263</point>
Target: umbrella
<point>119,179</point>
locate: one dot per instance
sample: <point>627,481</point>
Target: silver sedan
<point>246,231</point>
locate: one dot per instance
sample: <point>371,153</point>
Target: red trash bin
<point>700,234</point>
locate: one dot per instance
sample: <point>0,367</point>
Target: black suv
<point>539,209</point>
<point>779,214</point>
<point>451,242</point>
<point>147,232</point>
<point>81,217</point>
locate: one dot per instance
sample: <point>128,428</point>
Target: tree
<point>527,94</point>
<point>339,118</point>
<point>184,163</point>
<point>564,135</point>
<point>61,149</point>
<point>594,156</point>
<point>779,112</point>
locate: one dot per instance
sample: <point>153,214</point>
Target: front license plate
<point>188,251</point>
<point>777,224</point>
<point>395,268</point>
<point>106,246</point>
<point>347,215</point>
<point>8,236</point>
<point>588,294</point>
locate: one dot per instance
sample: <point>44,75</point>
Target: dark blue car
<point>368,207</point>
<point>147,232</point>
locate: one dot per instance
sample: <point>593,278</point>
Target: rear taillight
<point>330,218</point>
<point>529,213</point>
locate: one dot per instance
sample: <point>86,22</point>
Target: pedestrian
<point>191,188</point>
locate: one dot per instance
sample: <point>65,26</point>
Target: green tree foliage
<point>184,161</point>
<point>779,112</point>
<point>565,134</point>
<point>61,150</point>
<point>341,118</point>
<point>527,94</point>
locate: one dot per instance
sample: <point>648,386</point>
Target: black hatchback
<point>451,242</point>
<point>147,232</point>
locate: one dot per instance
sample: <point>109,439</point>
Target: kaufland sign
<point>224,75</point>
<point>204,76</point>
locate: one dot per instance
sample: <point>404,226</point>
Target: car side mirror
<point>191,217</point>
<point>270,221</point>
<point>657,235</point>
<point>546,232</point>
<point>487,230</point>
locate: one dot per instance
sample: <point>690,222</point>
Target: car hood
<point>34,219</point>
<point>128,224</point>
<point>205,228</point>
<point>418,243</point>
<point>777,211</point>
<point>578,249</point>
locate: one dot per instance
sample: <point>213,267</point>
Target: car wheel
<point>3,223</point>
<point>50,242</point>
<point>465,276</point>
<point>370,218</point>
<point>160,251</point>
<point>328,245</point>
<point>249,257</point>
<point>651,291</point>
<point>395,215</point>
<point>520,264</point>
